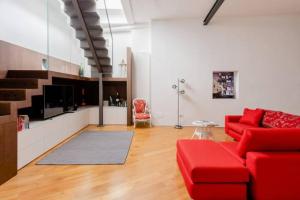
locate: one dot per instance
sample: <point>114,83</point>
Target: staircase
<point>17,89</point>
<point>20,85</point>
<point>16,92</point>
<point>86,22</point>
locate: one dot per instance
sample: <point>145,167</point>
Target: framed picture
<point>223,85</point>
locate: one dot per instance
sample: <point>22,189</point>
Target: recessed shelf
<point>114,79</point>
<point>114,106</point>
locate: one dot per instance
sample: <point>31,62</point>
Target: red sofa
<point>268,119</point>
<point>263,165</point>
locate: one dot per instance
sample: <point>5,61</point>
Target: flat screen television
<point>58,99</point>
<point>68,91</point>
<point>53,101</point>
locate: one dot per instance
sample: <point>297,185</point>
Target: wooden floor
<point>150,172</point>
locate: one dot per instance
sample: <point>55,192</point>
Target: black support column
<point>100,100</point>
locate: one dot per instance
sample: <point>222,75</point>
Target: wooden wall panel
<point>17,57</point>
<point>129,86</point>
<point>8,151</point>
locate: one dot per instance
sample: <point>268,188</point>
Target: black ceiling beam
<point>213,11</point>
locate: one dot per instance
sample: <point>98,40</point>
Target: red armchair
<point>141,112</point>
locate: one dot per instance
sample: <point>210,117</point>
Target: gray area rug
<point>92,148</point>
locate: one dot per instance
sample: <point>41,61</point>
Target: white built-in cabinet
<point>46,134</point>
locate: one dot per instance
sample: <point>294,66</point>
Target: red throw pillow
<point>289,121</point>
<point>271,119</point>
<point>277,119</point>
<point>252,117</point>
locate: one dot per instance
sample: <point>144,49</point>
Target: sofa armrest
<point>274,175</point>
<point>231,118</point>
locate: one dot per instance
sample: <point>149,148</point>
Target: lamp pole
<point>177,87</point>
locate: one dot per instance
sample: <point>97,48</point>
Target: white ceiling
<point>259,7</point>
<point>111,4</point>
<point>146,10</point>
<point>141,11</point>
<point>115,13</point>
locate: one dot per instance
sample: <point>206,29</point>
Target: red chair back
<point>139,105</point>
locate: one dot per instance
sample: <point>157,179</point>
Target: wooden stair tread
<point>39,74</point>
<point>19,83</point>
<point>12,94</point>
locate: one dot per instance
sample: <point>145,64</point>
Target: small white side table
<point>203,129</point>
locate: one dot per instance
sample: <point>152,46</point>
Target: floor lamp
<point>179,92</point>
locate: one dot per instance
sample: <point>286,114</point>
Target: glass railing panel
<point>64,52</point>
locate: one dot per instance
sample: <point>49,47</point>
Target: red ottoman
<point>211,172</point>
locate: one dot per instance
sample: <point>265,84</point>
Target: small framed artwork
<point>224,85</point>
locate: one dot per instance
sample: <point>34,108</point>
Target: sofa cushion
<point>142,116</point>
<point>252,117</point>
<point>238,127</point>
<point>271,118</point>
<point>269,139</point>
<point>208,162</point>
<point>288,121</point>
<point>276,119</point>
<point>208,191</point>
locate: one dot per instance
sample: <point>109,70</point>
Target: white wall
<point>141,49</point>
<point>141,39</point>
<point>122,40</point>
<point>62,41</point>
<point>138,38</point>
<point>264,50</point>
<point>141,75</point>
<point>24,23</point>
